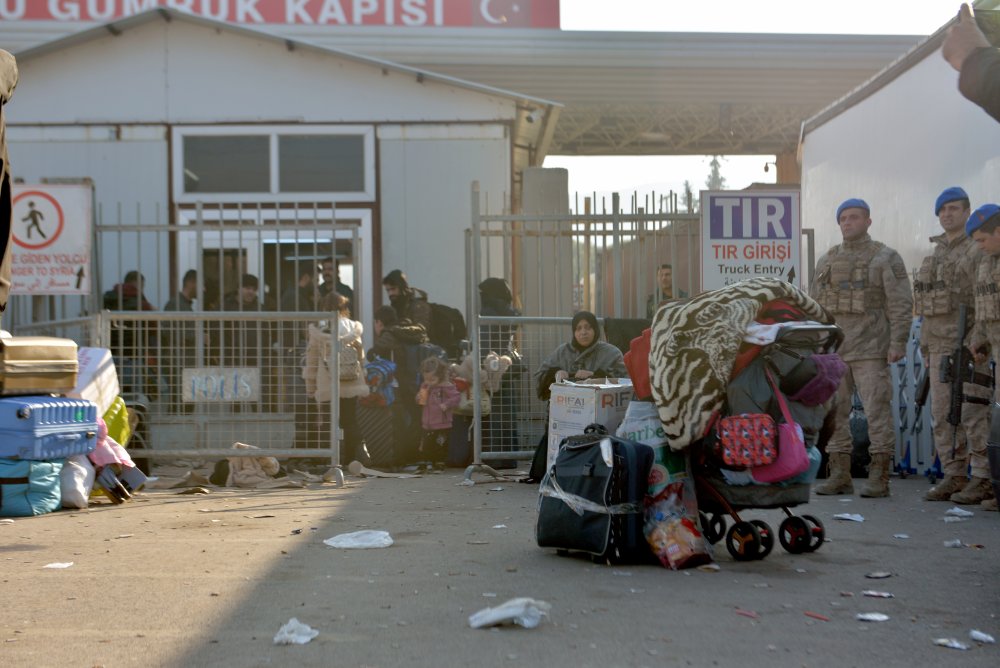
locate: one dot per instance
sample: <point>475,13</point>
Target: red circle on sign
<point>52,200</point>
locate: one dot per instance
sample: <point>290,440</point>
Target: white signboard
<point>749,233</point>
<point>220,384</point>
<point>51,231</point>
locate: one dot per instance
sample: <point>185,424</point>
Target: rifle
<point>958,369</point>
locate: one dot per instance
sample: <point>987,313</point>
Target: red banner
<point>406,13</point>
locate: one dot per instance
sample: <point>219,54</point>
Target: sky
<point>603,175</point>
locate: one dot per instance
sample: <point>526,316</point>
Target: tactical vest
<point>845,285</point>
<point>988,289</point>
<point>936,287</point>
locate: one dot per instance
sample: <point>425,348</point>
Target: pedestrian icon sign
<point>51,234</point>
<point>38,219</point>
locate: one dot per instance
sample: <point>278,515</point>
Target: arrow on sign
<point>79,277</point>
<point>791,275</point>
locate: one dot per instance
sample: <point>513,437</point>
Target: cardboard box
<point>573,406</point>
<point>97,379</point>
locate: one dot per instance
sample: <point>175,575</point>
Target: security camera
<point>532,116</point>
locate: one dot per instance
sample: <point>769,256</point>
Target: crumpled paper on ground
<point>295,632</point>
<point>526,612</point>
<point>358,540</point>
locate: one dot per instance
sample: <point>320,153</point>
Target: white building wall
<point>130,187</point>
<point>180,72</point>
<point>425,176</point>
<point>898,149</point>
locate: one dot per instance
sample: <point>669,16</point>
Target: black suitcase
<point>588,506</point>
<point>375,424</point>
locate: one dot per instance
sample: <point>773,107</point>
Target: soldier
<point>984,228</point>
<point>946,281</point>
<point>864,284</point>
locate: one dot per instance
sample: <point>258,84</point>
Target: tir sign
<point>751,218</point>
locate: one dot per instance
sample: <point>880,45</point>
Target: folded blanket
<point>694,345</point>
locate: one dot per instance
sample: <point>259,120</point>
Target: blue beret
<point>853,203</point>
<point>980,216</point>
<point>952,194</point>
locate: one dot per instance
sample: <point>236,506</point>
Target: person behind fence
<point>664,290</point>
<point>130,338</point>
<point>438,398</point>
<point>329,270</point>
<point>865,285</point>
<point>499,428</point>
<point>180,346</point>
<point>945,281</point>
<point>247,343</point>
<point>984,228</point>
<point>317,375</point>
<point>409,303</point>
<point>584,356</point>
<point>392,338</point>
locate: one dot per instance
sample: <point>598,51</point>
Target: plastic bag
<point>76,481</point>
<point>359,540</point>
<point>672,533</point>
<point>526,612</point>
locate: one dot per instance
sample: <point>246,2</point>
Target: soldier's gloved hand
<point>894,355</point>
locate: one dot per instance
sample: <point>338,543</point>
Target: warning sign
<point>51,231</point>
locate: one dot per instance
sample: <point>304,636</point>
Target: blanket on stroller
<point>694,345</point>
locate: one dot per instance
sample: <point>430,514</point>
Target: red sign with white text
<point>405,13</point>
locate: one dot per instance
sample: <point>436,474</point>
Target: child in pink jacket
<point>439,397</point>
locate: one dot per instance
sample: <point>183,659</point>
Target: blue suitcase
<point>45,428</point>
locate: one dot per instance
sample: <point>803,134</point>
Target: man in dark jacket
<point>130,338</point>
<point>393,338</point>
<point>409,303</point>
<point>968,51</point>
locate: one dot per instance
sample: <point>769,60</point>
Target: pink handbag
<point>792,458</point>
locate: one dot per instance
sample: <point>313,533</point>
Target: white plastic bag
<point>359,540</point>
<point>295,632</point>
<point>526,612</point>
<point>76,481</point>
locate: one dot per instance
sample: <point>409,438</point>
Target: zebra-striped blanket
<point>694,344</point>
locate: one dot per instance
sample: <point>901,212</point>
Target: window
<point>228,164</point>
<point>274,163</point>
<point>317,163</point>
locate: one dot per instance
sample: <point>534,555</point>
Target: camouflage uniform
<point>864,284</point>
<point>945,281</point>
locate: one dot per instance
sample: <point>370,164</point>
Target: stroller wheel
<point>743,541</point>
<point>714,528</point>
<point>817,532</point>
<point>795,535</point>
<point>766,537</point>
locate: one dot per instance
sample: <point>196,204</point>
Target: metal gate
<point>228,367</point>
<point>556,265</point>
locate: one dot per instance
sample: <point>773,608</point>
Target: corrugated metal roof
<point>632,93</point>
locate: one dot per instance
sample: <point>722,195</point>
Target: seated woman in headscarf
<point>583,357</point>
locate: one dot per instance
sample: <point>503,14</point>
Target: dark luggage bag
<point>375,424</point>
<point>588,506</point>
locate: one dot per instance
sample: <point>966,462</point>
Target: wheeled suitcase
<point>47,427</point>
<point>37,365</point>
<point>375,424</point>
<point>592,498</point>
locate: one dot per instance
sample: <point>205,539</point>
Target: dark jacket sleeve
<point>980,79</point>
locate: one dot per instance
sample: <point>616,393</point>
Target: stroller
<point>702,368</point>
<point>791,359</point>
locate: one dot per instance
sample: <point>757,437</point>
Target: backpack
<point>447,329</point>
<point>408,368</point>
<point>380,374</point>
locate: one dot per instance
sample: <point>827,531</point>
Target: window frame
<point>179,133</point>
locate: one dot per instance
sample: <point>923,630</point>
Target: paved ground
<point>171,580</point>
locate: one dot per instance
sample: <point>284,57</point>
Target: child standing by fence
<point>439,397</point>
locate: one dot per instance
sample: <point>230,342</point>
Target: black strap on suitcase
<point>588,506</point>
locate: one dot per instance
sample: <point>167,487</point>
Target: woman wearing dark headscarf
<point>583,357</point>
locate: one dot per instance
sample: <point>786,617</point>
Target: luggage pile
<point>61,422</point>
